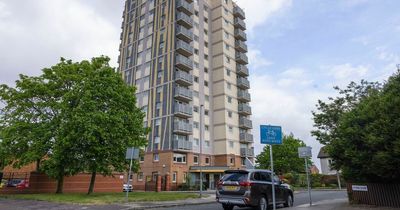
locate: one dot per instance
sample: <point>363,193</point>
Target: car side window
<point>266,177</point>
<point>257,176</point>
<point>276,179</point>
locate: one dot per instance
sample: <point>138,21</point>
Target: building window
<point>179,158</point>
<point>229,85</point>
<point>243,160</point>
<point>207,161</point>
<point>207,143</point>
<point>207,97</point>
<point>156,157</point>
<point>226,35</point>
<point>206,127</point>
<point>227,46</point>
<point>229,114</point>
<point>196,141</point>
<point>196,51</point>
<point>141,158</point>
<point>206,57</point>
<point>195,109</point>
<point>228,72</point>
<point>196,159</point>
<point>232,161</point>
<point>174,176</point>
<point>154,176</point>
<point>205,69</point>
<point>228,60</point>
<point>226,11</point>
<point>206,112</point>
<point>226,22</point>
<point>196,79</point>
<point>206,83</point>
<point>229,99</point>
<point>230,129</point>
<point>140,176</point>
<point>231,144</point>
<point>226,1</point>
<point>195,124</point>
<point>206,44</point>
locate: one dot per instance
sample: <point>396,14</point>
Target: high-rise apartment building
<point>188,61</point>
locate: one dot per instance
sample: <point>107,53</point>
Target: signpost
<point>305,152</point>
<point>131,154</point>
<point>271,135</point>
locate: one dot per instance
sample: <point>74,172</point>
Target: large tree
<point>74,117</point>
<point>362,134</point>
<point>286,157</point>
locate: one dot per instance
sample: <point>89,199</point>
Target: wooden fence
<point>374,194</point>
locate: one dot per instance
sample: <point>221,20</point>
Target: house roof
<point>322,153</point>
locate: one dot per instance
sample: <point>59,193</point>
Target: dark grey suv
<point>251,188</point>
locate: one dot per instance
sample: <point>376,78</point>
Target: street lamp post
<point>201,148</point>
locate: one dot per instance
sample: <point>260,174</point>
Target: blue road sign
<point>270,134</point>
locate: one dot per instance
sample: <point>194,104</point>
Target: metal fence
<point>375,194</point>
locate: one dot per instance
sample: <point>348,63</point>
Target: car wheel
<point>262,204</point>
<point>289,201</point>
<point>227,207</point>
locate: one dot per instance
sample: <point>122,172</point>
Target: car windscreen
<point>235,177</point>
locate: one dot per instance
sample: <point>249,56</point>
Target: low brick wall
<point>375,194</point>
<point>41,183</point>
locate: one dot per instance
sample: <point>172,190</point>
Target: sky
<point>298,49</point>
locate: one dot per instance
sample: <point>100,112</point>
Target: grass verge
<point>104,198</point>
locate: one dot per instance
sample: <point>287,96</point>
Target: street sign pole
<point>272,177</point>
<point>129,175</point>
<point>308,181</point>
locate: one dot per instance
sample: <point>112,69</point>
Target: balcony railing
<point>243,83</point>
<point>182,127</point>
<point>241,58</point>
<point>242,70</point>
<point>183,78</point>
<point>244,152</point>
<point>184,33</point>
<point>244,109</point>
<point>183,110</point>
<point>183,94</point>
<point>184,48</point>
<point>182,145</point>
<point>246,138</point>
<point>245,123</point>
<point>244,96</point>
<point>240,46</point>
<point>240,34</point>
<point>239,23</point>
<point>238,12</point>
<point>184,6</point>
<point>184,20</point>
<point>184,63</point>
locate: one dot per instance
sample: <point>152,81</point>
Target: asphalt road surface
<point>299,199</point>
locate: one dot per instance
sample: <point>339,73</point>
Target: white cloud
<point>287,105</point>
<point>51,29</point>
<point>257,60</point>
<point>258,11</point>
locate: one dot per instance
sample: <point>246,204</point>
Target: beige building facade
<point>188,60</point>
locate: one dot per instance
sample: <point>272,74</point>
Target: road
<point>299,199</point>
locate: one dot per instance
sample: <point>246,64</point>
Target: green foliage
<point>286,157</point>
<point>361,130</point>
<point>75,117</point>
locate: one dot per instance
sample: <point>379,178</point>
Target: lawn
<point>104,198</point>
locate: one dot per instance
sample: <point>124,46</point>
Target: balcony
<point>182,127</point>
<point>184,63</point>
<point>184,34</point>
<point>241,58</point>
<point>244,152</point>
<point>243,83</point>
<point>184,20</point>
<point>182,145</point>
<point>184,6</point>
<point>240,46</point>
<point>183,94</point>
<point>182,110</point>
<point>243,96</point>
<point>242,70</point>
<point>183,78</point>
<point>244,109</point>
<point>184,48</point>
<point>246,138</point>
<point>245,123</point>
<point>238,12</point>
<point>240,34</point>
<point>239,23</point>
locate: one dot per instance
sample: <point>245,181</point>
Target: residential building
<point>188,60</point>
<point>326,162</point>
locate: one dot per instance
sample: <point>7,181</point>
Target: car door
<point>279,190</point>
<point>268,189</point>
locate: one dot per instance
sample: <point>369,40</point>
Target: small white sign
<point>359,188</point>
<point>121,177</point>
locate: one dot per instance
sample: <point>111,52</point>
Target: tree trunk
<point>60,182</point>
<point>92,180</point>
<point>38,165</point>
